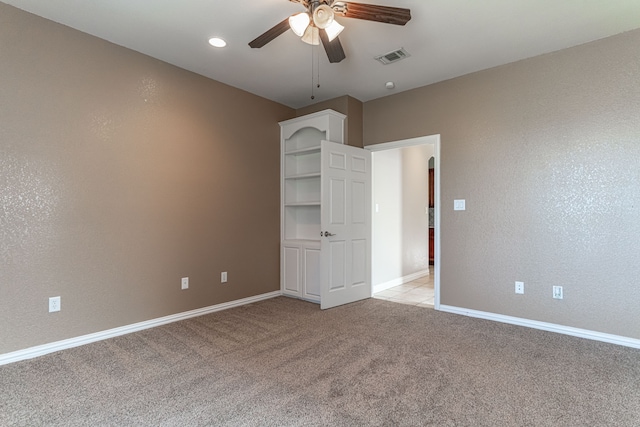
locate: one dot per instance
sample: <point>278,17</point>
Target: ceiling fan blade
<point>334,50</point>
<point>269,35</point>
<point>372,12</point>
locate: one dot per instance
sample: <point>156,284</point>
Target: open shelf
<point>302,164</point>
<point>302,190</point>
<point>305,138</point>
<point>303,175</point>
<point>303,204</point>
<point>302,222</point>
<point>302,151</point>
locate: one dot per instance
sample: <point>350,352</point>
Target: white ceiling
<point>446,38</point>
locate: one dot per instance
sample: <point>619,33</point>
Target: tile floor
<point>418,292</point>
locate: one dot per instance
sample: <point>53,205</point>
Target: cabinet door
<point>290,270</point>
<point>301,270</point>
<point>311,272</point>
<point>345,225</point>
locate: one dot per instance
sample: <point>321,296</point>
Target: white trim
<point>429,139</point>
<point>436,223</point>
<point>40,350</point>
<point>400,281</point>
<point>551,327</point>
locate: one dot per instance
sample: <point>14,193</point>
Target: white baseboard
<point>31,352</point>
<point>551,327</point>
<point>400,281</point>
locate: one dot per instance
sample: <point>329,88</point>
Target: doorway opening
<point>404,214</point>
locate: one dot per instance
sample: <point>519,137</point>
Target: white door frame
<point>430,139</point>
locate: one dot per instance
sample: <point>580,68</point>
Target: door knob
<point>327,234</point>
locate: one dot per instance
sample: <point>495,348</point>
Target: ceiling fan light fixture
<point>299,23</point>
<point>322,16</point>
<point>311,36</point>
<point>333,30</point>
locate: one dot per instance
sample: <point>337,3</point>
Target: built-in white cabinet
<point>301,195</point>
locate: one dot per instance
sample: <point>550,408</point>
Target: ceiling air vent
<point>393,56</point>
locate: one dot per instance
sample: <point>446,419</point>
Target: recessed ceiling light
<point>390,85</point>
<point>217,42</point>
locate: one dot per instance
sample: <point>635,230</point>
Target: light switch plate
<point>459,205</point>
<point>557,292</point>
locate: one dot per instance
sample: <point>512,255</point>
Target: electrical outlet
<point>519,287</point>
<point>54,304</point>
<point>223,277</point>
<point>185,283</point>
<point>557,292</point>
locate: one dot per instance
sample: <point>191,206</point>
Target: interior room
<point>146,272</point>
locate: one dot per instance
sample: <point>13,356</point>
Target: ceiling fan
<point>318,23</point>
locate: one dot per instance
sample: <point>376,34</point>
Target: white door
<point>345,249</point>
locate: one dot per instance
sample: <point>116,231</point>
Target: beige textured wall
<point>120,174</point>
<point>545,151</point>
<point>346,105</point>
<point>340,104</point>
<point>355,123</point>
<point>415,201</point>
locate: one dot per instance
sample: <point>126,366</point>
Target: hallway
<point>419,292</point>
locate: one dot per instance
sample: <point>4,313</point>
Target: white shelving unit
<point>301,195</point>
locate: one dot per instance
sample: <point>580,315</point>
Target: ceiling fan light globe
<point>322,16</point>
<point>333,30</point>
<point>311,36</point>
<point>299,23</point>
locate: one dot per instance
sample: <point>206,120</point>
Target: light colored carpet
<point>283,362</point>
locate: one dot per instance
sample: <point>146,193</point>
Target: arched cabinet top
<point>328,121</point>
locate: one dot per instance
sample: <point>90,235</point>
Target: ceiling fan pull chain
<point>312,90</point>
<point>318,66</point>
